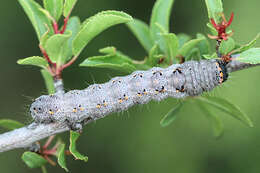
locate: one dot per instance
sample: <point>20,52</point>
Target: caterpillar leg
<point>74,126</point>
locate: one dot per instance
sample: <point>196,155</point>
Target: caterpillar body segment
<point>191,78</point>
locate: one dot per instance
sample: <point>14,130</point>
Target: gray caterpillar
<point>179,80</point>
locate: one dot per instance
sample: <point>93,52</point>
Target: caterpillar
<point>178,81</point>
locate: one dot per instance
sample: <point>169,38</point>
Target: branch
<point>58,85</point>
<point>24,137</point>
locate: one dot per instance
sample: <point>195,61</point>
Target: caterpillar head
<point>223,73</point>
<point>44,108</point>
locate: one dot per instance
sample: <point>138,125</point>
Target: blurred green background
<point>134,141</point>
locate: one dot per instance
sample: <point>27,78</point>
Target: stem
<point>49,152</point>
<point>48,142</point>
<point>55,27</point>
<point>69,63</point>
<point>65,25</point>
<point>50,161</point>
<point>46,56</point>
<point>217,48</point>
<point>61,68</point>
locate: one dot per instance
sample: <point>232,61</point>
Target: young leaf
<point>45,37</point>
<point>171,115</point>
<point>109,50</point>
<point>154,56</point>
<point>153,51</point>
<point>142,33</point>
<point>227,46</point>
<point>251,56</point>
<point>73,138</point>
<point>36,16</point>
<point>172,45</point>
<point>73,26</point>
<point>227,107</point>
<point>33,160</point>
<point>247,46</point>
<point>183,38</point>
<point>215,8</point>
<point>10,124</point>
<point>188,46</point>
<point>204,46</point>
<point>55,8</point>
<point>49,83</point>
<point>68,7</point>
<point>160,14</point>
<point>217,124</point>
<point>34,60</point>
<point>57,47</point>
<point>212,29</point>
<point>161,41</point>
<point>61,157</point>
<point>95,25</point>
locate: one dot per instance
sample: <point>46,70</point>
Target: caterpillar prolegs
<point>179,80</point>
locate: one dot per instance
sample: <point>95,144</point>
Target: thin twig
<point>48,142</point>
<point>46,56</point>
<point>55,27</point>
<point>65,25</point>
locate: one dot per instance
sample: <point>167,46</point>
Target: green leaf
<point>215,8</point>
<point>114,60</point>
<point>110,51</point>
<point>194,54</point>
<point>45,37</point>
<point>172,45</point>
<point>57,47</point>
<point>154,56</point>
<point>44,170</point>
<point>183,38</point>
<point>48,15</point>
<point>142,33</point>
<point>153,51</point>
<point>227,107</point>
<point>171,115</point>
<point>251,56</point>
<point>212,29</point>
<point>212,56</point>
<point>55,8</point>
<point>10,124</point>
<point>160,14</point>
<point>73,138</point>
<point>216,123</point>
<point>61,157</point>
<point>36,16</point>
<point>48,81</point>
<point>188,46</point>
<point>251,44</point>
<point>68,7</point>
<point>95,25</point>
<point>73,26</point>
<point>34,60</point>
<point>204,46</point>
<point>33,160</point>
<point>227,46</point>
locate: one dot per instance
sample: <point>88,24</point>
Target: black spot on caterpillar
<point>179,80</point>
